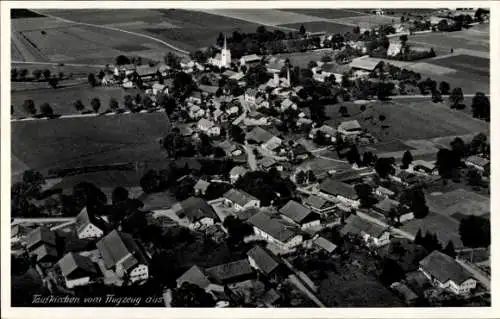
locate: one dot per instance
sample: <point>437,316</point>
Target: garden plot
<point>264,16</point>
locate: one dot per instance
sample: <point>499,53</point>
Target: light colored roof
<point>85,218</point>
<point>201,185</point>
<point>196,276</point>
<point>325,244</point>
<point>238,170</point>
<point>208,88</point>
<point>205,124</point>
<point>146,70</point>
<point>386,205</point>
<point>251,58</point>
<point>267,162</point>
<point>365,63</point>
<point>45,251</point>
<point>476,160</point>
<point>238,196</point>
<point>350,125</point>
<point>327,130</point>
<point>259,135</point>
<point>229,73</point>
<point>251,92</point>
<point>287,103</point>
<point>356,225</point>
<point>444,268</point>
<point>296,212</point>
<point>423,163</point>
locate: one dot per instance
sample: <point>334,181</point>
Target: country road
<point>59,64</point>
<point>115,29</point>
<point>72,116</point>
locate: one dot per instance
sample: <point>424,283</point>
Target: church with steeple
<point>222,59</point>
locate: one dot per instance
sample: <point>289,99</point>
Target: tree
<point>122,60</point>
<point>119,195</point>
<point>13,74</point>
<point>450,250</point>
<point>53,82</point>
<point>444,87</point>
<point>96,104</point>
<point>79,105</point>
<point>326,58</point>
<point>458,147</point>
<point>475,231</point>
<point>46,110</point>
<point>419,239</point>
<point>456,97</point>
<point>312,64</point>
<point>113,104</point>
<point>147,102</point>
<point>364,192</point>
<point>172,60</point>
<point>446,162</point>
<point>237,134</point>
<point>383,166</point>
<point>29,107</point>
<point>92,80</point>
<point>407,159</point>
<point>23,73</point>
<point>128,102</point>
<point>480,106</point>
<point>301,177</point>
<point>478,143</point>
<point>150,182</point>
<point>190,295</point>
<point>302,29</point>
<point>353,156</point>
<point>46,74</point>
<point>343,111</point>
<point>391,272</point>
<point>37,74</point>
<point>474,178</point>
<point>418,204</point>
<point>236,228</point>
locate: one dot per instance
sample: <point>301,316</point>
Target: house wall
<point>384,239</point>
<point>406,217</point>
<point>470,164</point>
<point>293,242</point>
<point>205,221</point>
<point>348,201</point>
<point>314,223</point>
<point>141,272</point>
<point>462,289</point>
<point>90,231</point>
<point>70,283</point>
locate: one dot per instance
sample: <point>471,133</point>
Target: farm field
<point>470,64</point>
<point>413,120</point>
<point>328,13</point>
<point>473,39</point>
<point>301,59</point>
<point>76,142</point>
<point>367,21</point>
<point>62,99</point>
<point>264,16</point>
<point>320,26</point>
<point>459,201</point>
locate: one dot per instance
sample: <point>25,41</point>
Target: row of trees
<point>37,74</point>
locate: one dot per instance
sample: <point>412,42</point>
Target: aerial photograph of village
<point>258,158</point>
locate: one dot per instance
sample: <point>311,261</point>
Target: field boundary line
<point>116,29</point>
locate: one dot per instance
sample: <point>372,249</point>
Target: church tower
<point>225,55</point>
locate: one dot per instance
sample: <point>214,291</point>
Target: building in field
<point>444,272</point>
<point>348,128</point>
<point>222,59</point>
<point>121,253</point>
<point>479,163</point>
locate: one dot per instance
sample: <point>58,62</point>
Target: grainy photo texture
<point>250,157</point>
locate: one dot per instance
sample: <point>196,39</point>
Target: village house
<point>122,254</point>
<point>348,128</point>
<point>197,276</point>
<point>19,231</point>
<point>208,127</point>
<point>286,104</point>
<point>124,70</point>
<point>319,205</point>
<point>300,152</point>
<point>258,136</point>
<point>329,132</point>
<point>444,272</point>
<point>275,231</point>
<point>208,90</point>
<point>300,215</point>
<point>404,292</point>
<point>372,234</point>
<point>146,72</point>
<point>321,73</point>
<point>265,262</point>
<point>261,102</point>
<point>230,148</point>
<point>421,166</point>
<point>387,206</point>
<point>200,188</point>
<point>365,65</point>
<point>197,211</point>
<point>236,172</point>
<point>479,163</point>
<point>394,48</point>
<point>273,143</point>
<point>322,244</point>
<point>250,59</point>
<point>77,270</point>
<point>384,192</point>
<point>343,192</point>
<point>236,271</point>
<point>158,88</point>
<point>42,242</point>
<point>195,97</point>
<point>250,95</point>
<point>268,163</point>
<point>239,199</point>
<point>87,225</point>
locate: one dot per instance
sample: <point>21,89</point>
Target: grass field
<point>473,39</point>
<point>444,227</point>
<point>459,201</point>
<point>62,99</point>
<point>320,26</point>
<point>411,120</point>
<point>367,21</point>
<point>327,13</point>
<point>66,143</point>
<point>264,16</point>
<point>466,63</point>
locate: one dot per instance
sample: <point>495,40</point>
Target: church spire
<point>288,76</point>
<point>225,44</point>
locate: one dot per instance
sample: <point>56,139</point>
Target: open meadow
<point>89,141</point>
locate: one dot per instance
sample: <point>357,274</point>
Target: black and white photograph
<point>232,157</point>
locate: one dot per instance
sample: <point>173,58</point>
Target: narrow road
<point>478,275</point>
<point>72,116</point>
<point>419,96</point>
<point>58,64</point>
<point>252,161</point>
<point>142,35</point>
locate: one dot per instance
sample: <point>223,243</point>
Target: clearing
<point>446,228</point>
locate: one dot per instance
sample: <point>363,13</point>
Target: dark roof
<point>196,276</point>
<point>271,297</point>
<point>334,68</point>
<point>41,235</point>
<point>117,246</point>
<point>300,149</point>
<point>386,205</point>
<point>85,218</point>
<point>318,202</point>
<point>238,196</point>
<point>297,212</point>
<point>143,70</point>
<point>333,187</point>
<point>444,268</point>
<point>71,262</point>
<point>404,291</point>
<point>195,208</point>
<point>258,134</point>
<point>230,271</point>
<point>265,260</point>
<point>208,88</point>
<point>356,225</point>
<point>191,163</point>
<point>273,227</point>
